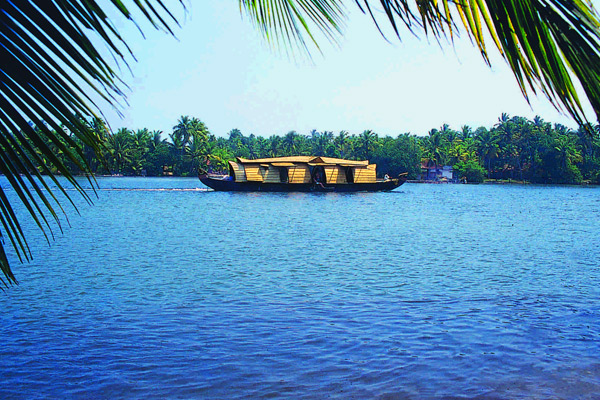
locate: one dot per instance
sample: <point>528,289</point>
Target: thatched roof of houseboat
<point>312,160</point>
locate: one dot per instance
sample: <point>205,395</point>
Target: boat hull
<point>232,186</point>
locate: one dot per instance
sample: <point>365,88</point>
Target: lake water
<point>165,290</point>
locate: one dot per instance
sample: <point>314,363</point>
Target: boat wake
<point>153,190</point>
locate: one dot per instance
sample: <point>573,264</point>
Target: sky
<point>220,69</point>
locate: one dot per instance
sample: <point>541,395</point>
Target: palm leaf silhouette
<point>548,44</point>
<point>48,68</point>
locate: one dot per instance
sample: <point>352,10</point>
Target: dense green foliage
<point>513,149</point>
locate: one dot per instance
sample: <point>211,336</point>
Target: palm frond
<point>284,22</point>
<point>48,68</point>
<point>548,44</point>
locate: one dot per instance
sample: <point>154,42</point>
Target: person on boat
<point>386,177</point>
<point>318,179</point>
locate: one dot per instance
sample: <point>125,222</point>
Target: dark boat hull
<point>232,186</point>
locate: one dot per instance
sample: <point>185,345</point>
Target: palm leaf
<point>548,44</point>
<point>286,22</point>
<point>48,68</point>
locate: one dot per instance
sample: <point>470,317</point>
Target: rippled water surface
<point>428,292</point>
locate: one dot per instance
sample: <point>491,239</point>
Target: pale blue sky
<point>221,71</point>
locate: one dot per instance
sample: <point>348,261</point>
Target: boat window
<point>349,175</point>
<point>318,174</point>
<point>283,174</point>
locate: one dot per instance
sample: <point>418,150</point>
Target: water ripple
<point>162,290</point>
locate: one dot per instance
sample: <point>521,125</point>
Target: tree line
<point>515,148</point>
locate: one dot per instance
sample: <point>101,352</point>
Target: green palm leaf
<point>547,43</point>
<point>286,22</point>
<point>48,67</point>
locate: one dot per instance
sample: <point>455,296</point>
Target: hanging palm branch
<point>286,22</point>
<point>547,43</point>
<point>48,68</point>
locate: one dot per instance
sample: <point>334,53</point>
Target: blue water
<point>165,290</point>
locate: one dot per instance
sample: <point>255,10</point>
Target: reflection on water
<point>163,289</point>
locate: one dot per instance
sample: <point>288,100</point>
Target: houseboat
<point>301,174</point>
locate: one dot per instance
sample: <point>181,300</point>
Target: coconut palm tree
<point>274,146</point>
<point>290,142</point>
<point>566,153</point>
<point>367,143</point>
<point>253,146</point>
<point>322,143</point>
<point>100,130</point>
<point>466,132</point>
<point>434,147</point>
<point>507,131</point>
<point>487,147</point>
<point>341,143</point>
<point>120,150</point>
<point>546,43</point>
<point>156,141</point>
<point>235,141</point>
<point>449,135</point>
<point>197,151</point>
<point>219,158</point>
<point>140,144</point>
<point>182,132</point>
<point>177,144</point>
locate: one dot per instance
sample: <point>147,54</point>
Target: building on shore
<point>432,172</point>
